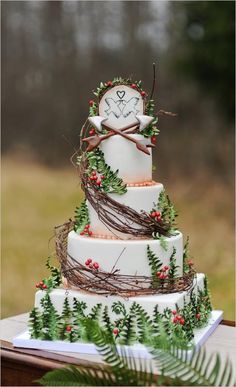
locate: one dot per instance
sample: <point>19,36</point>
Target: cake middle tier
<point>137,198</point>
<point>129,257</point>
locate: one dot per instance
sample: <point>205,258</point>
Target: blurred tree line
<point>55,52</point>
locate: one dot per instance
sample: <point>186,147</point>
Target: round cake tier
<point>128,256</point>
<point>134,166</point>
<point>138,198</point>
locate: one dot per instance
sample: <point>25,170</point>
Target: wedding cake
<point>123,261</point>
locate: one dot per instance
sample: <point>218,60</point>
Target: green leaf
<point>81,217</point>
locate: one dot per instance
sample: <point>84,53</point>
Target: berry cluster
<point>109,84</point>
<point>86,230</point>
<point>143,93</point>
<point>116,331</point>
<point>98,179</point>
<point>153,139</point>
<point>163,274</point>
<point>156,215</point>
<point>190,263</point>
<point>68,328</point>
<point>92,265</point>
<point>92,132</point>
<point>177,318</point>
<point>41,285</point>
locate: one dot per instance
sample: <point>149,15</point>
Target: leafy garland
<point>111,182</point>
<point>51,282</point>
<point>81,217</point>
<point>130,326</point>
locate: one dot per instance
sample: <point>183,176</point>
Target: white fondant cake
<point>139,269</point>
<point>129,256</point>
<point>134,166</point>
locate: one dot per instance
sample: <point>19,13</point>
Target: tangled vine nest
<point>81,277</point>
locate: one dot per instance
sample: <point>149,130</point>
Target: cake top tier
<point>122,108</point>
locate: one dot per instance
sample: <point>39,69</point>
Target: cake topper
<point>121,109</point>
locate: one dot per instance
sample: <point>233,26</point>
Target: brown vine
<point>81,277</point>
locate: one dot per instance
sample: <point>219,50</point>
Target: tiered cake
<point>123,254</point>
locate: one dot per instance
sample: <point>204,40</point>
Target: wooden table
<point>20,367</point>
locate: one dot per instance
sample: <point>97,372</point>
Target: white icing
<point>138,198</point>
<point>121,154</point>
<point>147,302</point>
<point>133,259</point>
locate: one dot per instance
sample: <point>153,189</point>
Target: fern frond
<point>195,371</point>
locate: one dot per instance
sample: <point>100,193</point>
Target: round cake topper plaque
<point>120,105</point>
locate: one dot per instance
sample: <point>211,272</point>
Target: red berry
<point>41,283</point>
<point>94,173</point>
<point>90,233</point>
<point>190,263</point>
<point>91,102</point>
<point>96,265</point>
<point>44,286</point>
<point>198,316</point>
<point>157,213</point>
<point>175,320</point>
<point>88,261</point>
<point>37,285</point>
<point>109,83</point>
<point>153,214</point>
<point>153,139</point>
<point>143,93</point>
<point>178,317</point>
<point>68,328</point>
<point>103,177</point>
<point>90,265</point>
<point>158,273</point>
<point>162,276</point>
<point>182,321</point>
<point>133,86</point>
<point>115,331</point>
<point>99,182</point>
<point>82,233</point>
<point>174,312</point>
<point>166,268</point>
<point>92,132</point>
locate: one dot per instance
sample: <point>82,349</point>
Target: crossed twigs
<point>94,141</point>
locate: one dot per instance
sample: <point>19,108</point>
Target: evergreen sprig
<point>35,323</point>
<point>173,266</point>
<point>186,256</point>
<point>81,217</point>
<point>168,211</point>
<point>155,265</point>
<point>111,182</point>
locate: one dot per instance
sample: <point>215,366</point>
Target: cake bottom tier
<point>148,303</point>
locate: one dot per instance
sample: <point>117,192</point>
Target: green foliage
<point>96,312</point>
<point>78,309</point>
<point>66,311</point>
<point>163,242</point>
<point>122,369</point>
<point>151,130</point>
<point>173,266</point>
<point>81,217</point>
<point>144,324</point>
<point>167,209</point>
<point>50,320</point>
<point>93,110</point>
<point>119,308</point>
<point>35,323</point>
<point>186,256</point>
<point>128,335</point>
<point>103,87</point>
<point>155,265</point>
<point>111,183</point>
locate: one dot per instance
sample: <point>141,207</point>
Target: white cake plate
<point>138,350</point>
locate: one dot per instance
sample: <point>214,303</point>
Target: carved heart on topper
<point>120,94</point>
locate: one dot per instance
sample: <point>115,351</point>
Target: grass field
<point>36,198</point>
